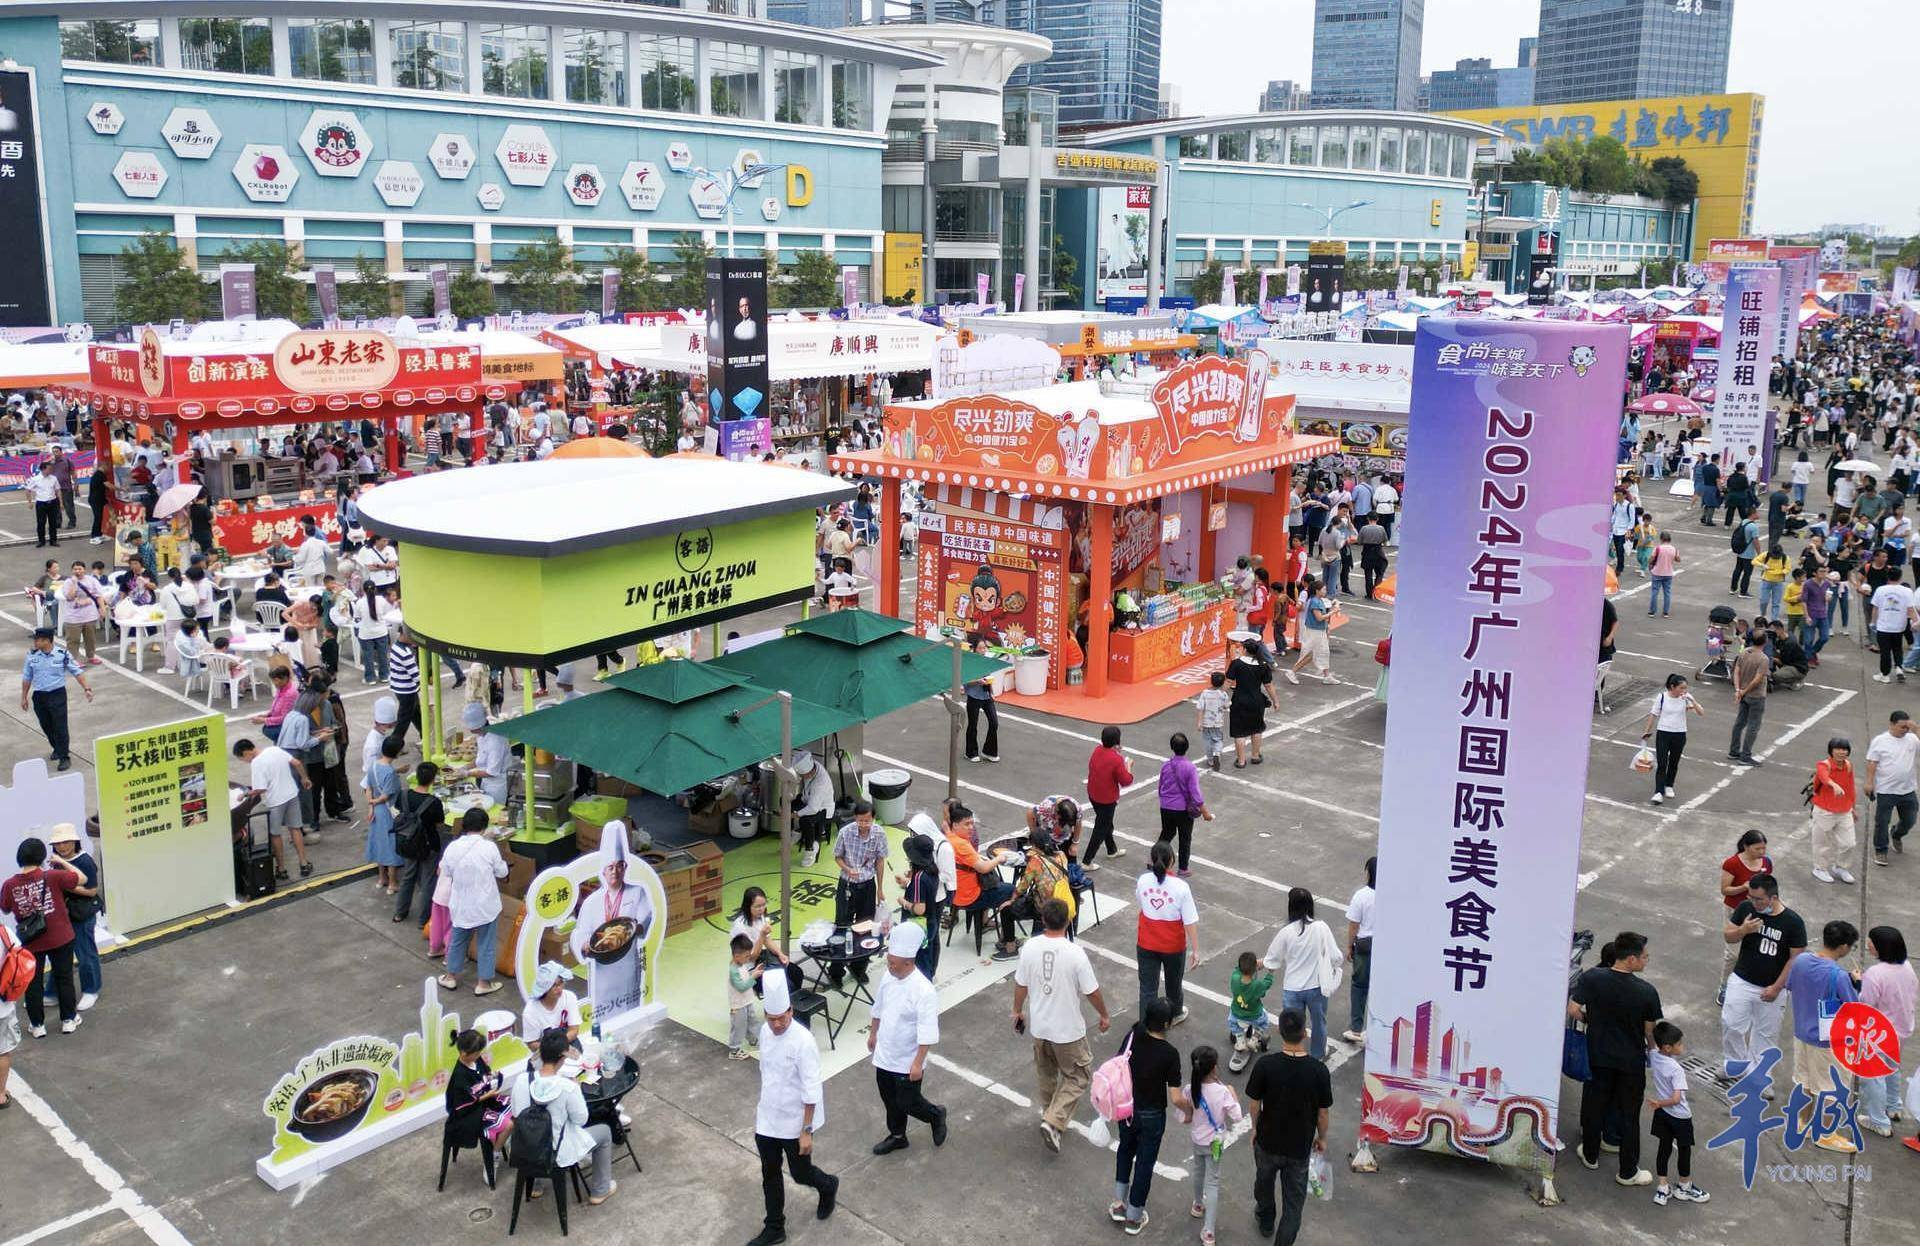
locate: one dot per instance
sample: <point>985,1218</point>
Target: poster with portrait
<point>1326,273</point>
<point>604,915</point>
<point>737,382</point>
<point>1122,258</point>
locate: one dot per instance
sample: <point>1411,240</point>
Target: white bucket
<point>1030,674</point>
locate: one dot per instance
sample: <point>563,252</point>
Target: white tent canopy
<point>801,349</point>
<point>33,364</point>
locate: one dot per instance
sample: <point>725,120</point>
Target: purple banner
<point>1019,291</point>
<point>326,288</point>
<point>742,439</point>
<point>237,301</point>
<point>442,290</point>
<point>980,288</point>
<point>1511,436</point>
<point>15,468</point>
<point>609,293</point>
<point>849,285</point>
<point>1748,328</point>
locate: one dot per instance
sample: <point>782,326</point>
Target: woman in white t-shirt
<point>1666,726</point>
<point>751,919</point>
<point>1800,474</point>
<point>552,1007</point>
<point>1360,954</point>
<point>1308,961</point>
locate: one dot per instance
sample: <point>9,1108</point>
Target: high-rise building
<point>1366,53</point>
<point>1283,95</point>
<point>1529,52</point>
<point>1631,49</point>
<point>1169,105</point>
<point>1475,83</point>
<point>1106,56</point>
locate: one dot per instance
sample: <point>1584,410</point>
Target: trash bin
<point>888,790</point>
<point>1030,674</point>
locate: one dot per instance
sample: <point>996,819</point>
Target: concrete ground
<point>146,1123</point>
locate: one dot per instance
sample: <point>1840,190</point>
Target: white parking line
<point>983,1082</point>
<point>59,1226</point>
<point>123,1196</point>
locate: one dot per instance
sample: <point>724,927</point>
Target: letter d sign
<point>799,186</point>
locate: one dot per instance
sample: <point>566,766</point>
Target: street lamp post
<point>1333,214</point>
<point>733,182</point>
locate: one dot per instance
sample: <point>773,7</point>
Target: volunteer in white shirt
<point>904,1028</point>
<point>1891,783</point>
<point>1360,955</point>
<point>1386,503</point>
<point>277,776</point>
<point>793,1104</point>
<point>1167,932</point>
<point>44,488</point>
<point>473,868</point>
<point>1052,976</point>
<point>553,1006</point>
<point>1893,611</point>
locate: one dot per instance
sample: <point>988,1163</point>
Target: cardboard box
<point>713,819</point>
<point>708,863</point>
<point>607,785</point>
<point>506,940</point>
<point>586,836</point>
<point>554,946</point>
<point>520,872</point>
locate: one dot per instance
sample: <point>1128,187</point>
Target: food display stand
<point>1053,507</point>
<point>1357,392</point>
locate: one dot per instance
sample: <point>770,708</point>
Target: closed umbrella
<point>175,500</point>
<point>1845,465</point>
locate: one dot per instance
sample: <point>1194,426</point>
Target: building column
<point>1099,597</point>
<point>1030,254</point>
<point>1156,225</point>
<point>186,239</point>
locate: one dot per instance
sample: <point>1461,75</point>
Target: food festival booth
<point>262,376</point>
<point>1086,340</point>
<point>1357,392</point>
<point>1051,507</point>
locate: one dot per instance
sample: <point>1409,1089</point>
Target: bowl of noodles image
<point>610,941</point>
<point>332,1105</point>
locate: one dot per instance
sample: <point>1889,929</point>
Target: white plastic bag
<point>1319,1175</point>
<point>1643,760</point>
<point>1099,1134</point>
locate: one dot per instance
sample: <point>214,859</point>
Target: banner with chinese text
<point>1512,433</point>
<point>1001,579</point>
<point>1749,329</point>
<point>165,839</point>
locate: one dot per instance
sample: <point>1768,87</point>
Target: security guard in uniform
<point>43,685</point>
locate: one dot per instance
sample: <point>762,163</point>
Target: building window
<point>430,56</point>
<point>228,45</point>
<point>1270,146</point>
<point>331,49</point>
<point>513,61</point>
<point>853,95</point>
<point>1360,147</point>
<point>1194,146</point>
<point>1416,151</point>
<point>1231,145</point>
<point>596,66</point>
<point>1333,146</point>
<point>796,87</point>
<point>1389,149</point>
<point>1461,155</point>
<point>1300,145</point>
<point>666,73</point>
<point>111,43</point>
<point>733,79</point>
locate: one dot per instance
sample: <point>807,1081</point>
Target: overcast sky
<point>1839,140</point>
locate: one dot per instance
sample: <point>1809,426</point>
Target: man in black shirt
<point>1288,1095</point>
<point>1619,1009</point>
<point>1770,935</point>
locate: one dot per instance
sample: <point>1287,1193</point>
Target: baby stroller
<point>1719,619</point>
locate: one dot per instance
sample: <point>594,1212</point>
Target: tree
<point>659,422</point>
<point>687,277</point>
<point>543,277</point>
<point>815,280</point>
<point>1066,266</point>
<point>1670,180</point>
<point>277,292</point>
<point>469,295</point>
<point>1208,282</point>
<point>154,287</point>
<point>370,293</point>
<point>639,289</point>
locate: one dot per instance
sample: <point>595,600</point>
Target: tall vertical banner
<point>849,285</point>
<point>980,284</point>
<point>26,296</point>
<point>239,300</point>
<point>1228,294</point>
<point>1293,281</point>
<point>326,288</point>
<point>1511,432</point>
<point>442,289</point>
<point>609,293</point>
<point>1748,329</point>
<point>1019,291</point>
<point>1326,272</point>
<point>1546,252</point>
<point>737,384</point>
<point>166,844</point>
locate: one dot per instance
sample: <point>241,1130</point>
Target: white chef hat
<point>550,973</point>
<point>801,761</point>
<point>905,940</point>
<point>773,993</point>
<point>474,716</point>
<point>386,710</point>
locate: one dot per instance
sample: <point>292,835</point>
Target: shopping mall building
<point>427,133</point>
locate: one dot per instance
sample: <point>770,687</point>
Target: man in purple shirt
<point>1180,800</point>
<point>1819,983</point>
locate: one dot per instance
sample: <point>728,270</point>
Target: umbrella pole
<point>784,813</point>
<point>956,709</point>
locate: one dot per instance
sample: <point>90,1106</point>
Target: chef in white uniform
<point>619,987</point>
<point>816,804</point>
<point>492,754</point>
<point>904,1028</point>
<point>793,1105</point>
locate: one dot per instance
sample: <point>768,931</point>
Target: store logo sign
<point>744,159</point>
<point>708,196</point>
<point>585,185</point>
<point>642,184</point>
<point>526,154</point>
<point>452,156</point>
<point>191,133</point>
<point>770,207</point>
<point>106,118</point>
<point>399,183</point>
<point>331,361</point>
<point>492,196</point>
<point>265,172</point>
<point>679,157</point>
<point>153,363</point>
<point>140,175</point>
<point>336,143</point>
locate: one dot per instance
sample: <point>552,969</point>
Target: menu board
<point>165,839</point>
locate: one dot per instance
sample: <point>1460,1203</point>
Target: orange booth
<point>1091,519</point>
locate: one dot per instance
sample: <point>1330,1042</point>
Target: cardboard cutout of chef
<point>610,908</point>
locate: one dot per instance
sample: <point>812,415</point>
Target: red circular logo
<point>374,400</point>
<point>267,406</point>
<point>466,393</point>
<point>403,398</point>
<point>431,396</point>
<point>192,410</point>
<point>1863,1041</point>
<point>496,392</point>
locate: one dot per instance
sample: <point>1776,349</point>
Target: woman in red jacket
<point>1107,773</point>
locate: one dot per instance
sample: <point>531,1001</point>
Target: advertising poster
<point>997,578</point>
<point>1326,271</point>
<point>609,293</point>
<point>1482,793</point>
<point>1122,253</point>
<point>326,287</point>
<point>238,299</point>
<point>603,915</point>
<point>442,290</point>
<point>737,384</point>
<point>1546,253</point>
<point>166,842</point>
<point>1747,332</point>
<point>26,297</point>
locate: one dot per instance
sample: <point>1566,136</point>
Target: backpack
<point>1740,538</point>
<point>17,968</point>
<point>533,1142</point>
<point>409,834</point>
<point>1112,1086</point>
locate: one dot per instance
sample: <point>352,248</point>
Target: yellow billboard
<point>901,273</point>
<point>1717,135</point>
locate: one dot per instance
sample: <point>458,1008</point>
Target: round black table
<point>603,1103</point>
<point>847,947</point>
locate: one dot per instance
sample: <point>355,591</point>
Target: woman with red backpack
<point>37,898</point>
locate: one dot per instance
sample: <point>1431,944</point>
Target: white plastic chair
<point>224,606</point>
<point>1600,686</point>
<point>227,672</point>
<point>134,636</point>
<point>269,613</point>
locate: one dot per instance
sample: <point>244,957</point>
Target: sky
<point>1837,147</point>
